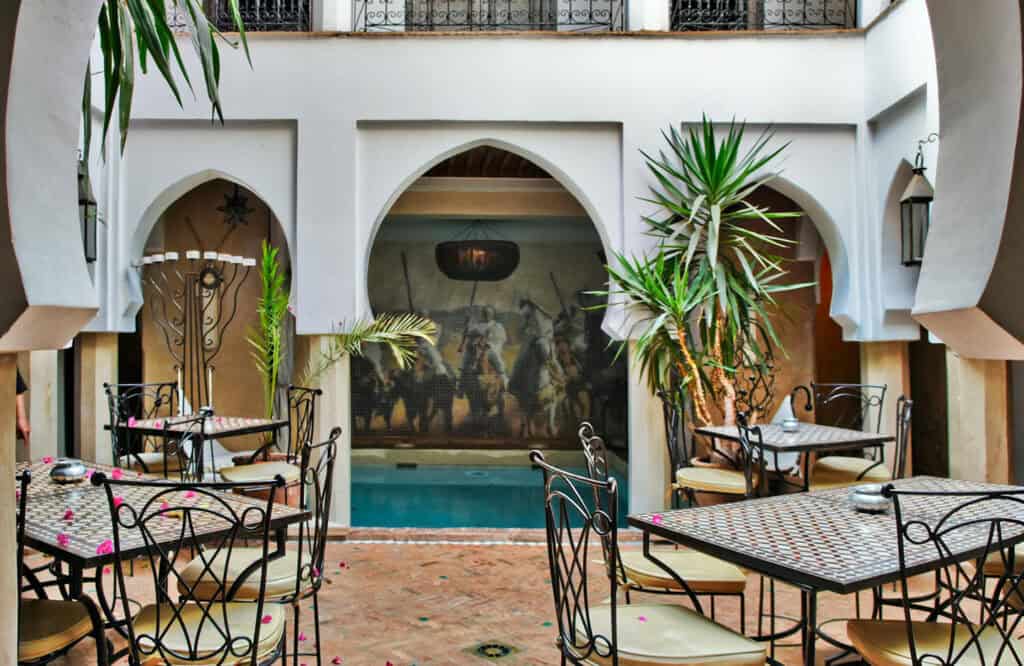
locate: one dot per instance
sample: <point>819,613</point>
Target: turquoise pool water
<point>389,495</point>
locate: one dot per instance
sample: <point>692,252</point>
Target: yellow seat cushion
<point>175,639</point>
<point>714,480</point>
<point>840,471</point>
<point>650,634</point>
<point>885,642</point>
<point>703,573</point>
<point>48,625</point>
<point>154,462</point>
<point>281,573</point>
<point>265,471</point>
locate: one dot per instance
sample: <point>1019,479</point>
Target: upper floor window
<point>257,15</point>
<point>762,14</point>
<point>478,15</point>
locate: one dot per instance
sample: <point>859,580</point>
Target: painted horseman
<point>484,381</point>
<point>538,381</point>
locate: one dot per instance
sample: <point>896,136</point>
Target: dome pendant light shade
<point>477,259</point>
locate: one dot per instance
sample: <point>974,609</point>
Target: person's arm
<point>21,410</point>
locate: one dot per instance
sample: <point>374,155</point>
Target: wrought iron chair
<point>840,471</point>
<point>607,633</point>
<point>48,628</point>
<point>302,403</point>
<point>297,574</point>
<point>745,482</point>
<point>852,406</point>
<point>689,572</point>
<point>187,441</point>
<point>992,516</point>
<point>180,628</point>
<point>141,401</point>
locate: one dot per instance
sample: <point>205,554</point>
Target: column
<point>44,404</point>
<point>888,363</point>
<point>8,555</point>
<point>335,410</point>
<point>649,15</point>
<point>333,15</point>
<point>95,363</point>
<point>979,418</point>
<point>648,452</point>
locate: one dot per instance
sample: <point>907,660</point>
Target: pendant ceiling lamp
<point>476,255</point>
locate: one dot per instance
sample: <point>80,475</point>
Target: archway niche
<point>518,364</point>
<point>202,219</point>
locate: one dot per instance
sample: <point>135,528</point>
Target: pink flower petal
<point>316,572</point>
<point>158,424</point>
<point>105,548</point>
<point>131,421</point>
<point>302,635</point>
<point>69,515</point>
<point>342,565</point>
<point>336,660</point>
<point>189,494</point>
<point>47,460</point>
<point>107,570</point>
<point>641,618</point>
<point>657,519</point>
<point>62,540</point>
<point>116,474</point>
<point>88,473</point>
<point>118,501</point>
<point>266,619</point>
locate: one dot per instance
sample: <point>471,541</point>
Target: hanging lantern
<point>476,257</point>
<point>86,212</point>
<point>915,210</point>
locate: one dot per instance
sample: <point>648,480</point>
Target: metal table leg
<point>811,620</point>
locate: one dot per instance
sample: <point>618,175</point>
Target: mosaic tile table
<point>73,543</point>
<point>808,438</point>
<point>818,542</point>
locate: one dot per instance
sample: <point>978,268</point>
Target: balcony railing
<point>490,15</point>
<point>257,15</point>
<point>689,15</point>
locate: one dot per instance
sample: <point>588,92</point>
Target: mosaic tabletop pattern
<point>73,521</point>
<point>817,539</point>
<point>215,425</point>
<point>808,437</point>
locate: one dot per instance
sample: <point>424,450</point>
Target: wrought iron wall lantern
<point>915,209</point>
<point>476,256</point>
<point>87,212</point>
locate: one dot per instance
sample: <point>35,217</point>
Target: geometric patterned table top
<point>808,437</point>
<point>222,426</point>
<point>817,539</point>
<point>76,540</point>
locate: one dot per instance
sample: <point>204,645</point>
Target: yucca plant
<point>702,304</point>
<point>267,338</point>
<point>400,333</point>
<point>137,32</point>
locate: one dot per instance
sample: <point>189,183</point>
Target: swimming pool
<point>418,495</point>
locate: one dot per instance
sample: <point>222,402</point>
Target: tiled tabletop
<point>808,437</point>
<point>221,426</point>
<point>90,524</point>
<point>818,540</point>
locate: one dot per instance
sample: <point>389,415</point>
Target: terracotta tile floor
<point>414,603</point>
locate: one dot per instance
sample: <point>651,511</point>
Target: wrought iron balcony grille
<point>692,15</point>
<point>490,15</point>
<point>264,15</point>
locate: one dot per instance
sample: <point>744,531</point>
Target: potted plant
<point>701,304</point>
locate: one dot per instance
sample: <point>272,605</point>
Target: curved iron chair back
<point>752,456</point>
<point>302,403</point>
<point>994,515</point>
<point>679,448</point>
<point>904,414</point>
<point>187,442</point>
<point>140,401</point>
<point>22,479</point>
<point>852,406</point>
<point>197,513</point>
<point>317,488</point>
<point>571,523</point>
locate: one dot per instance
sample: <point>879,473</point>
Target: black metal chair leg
<point>316,620</point>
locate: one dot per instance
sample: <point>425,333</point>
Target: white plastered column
<point>648,453</point>
<point>335,410</point>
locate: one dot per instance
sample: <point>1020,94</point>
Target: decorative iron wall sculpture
<point>193,301</point>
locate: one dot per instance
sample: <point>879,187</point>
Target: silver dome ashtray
<point>68,470</point>
<point>868,498</point>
